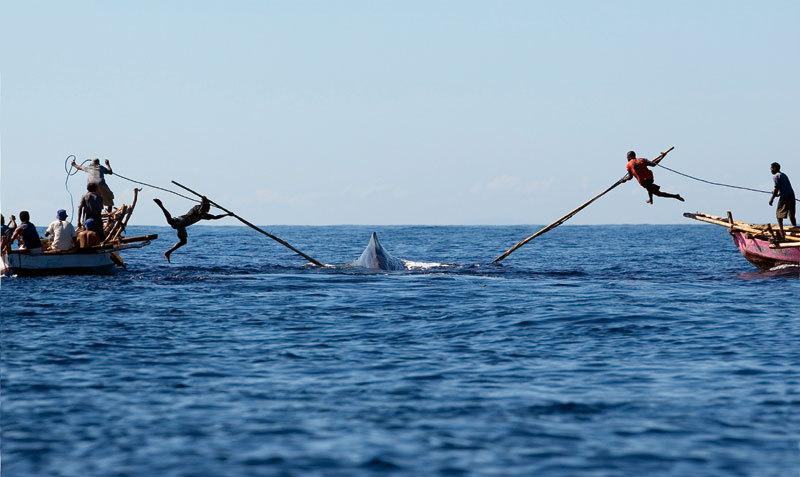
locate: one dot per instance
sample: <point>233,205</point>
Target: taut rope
<point>720,184</point>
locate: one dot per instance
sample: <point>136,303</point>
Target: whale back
<point>375,257</point>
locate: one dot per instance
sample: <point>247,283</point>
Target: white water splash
<point>412,265</point>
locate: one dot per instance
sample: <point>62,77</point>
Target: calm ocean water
<point>600,351</point>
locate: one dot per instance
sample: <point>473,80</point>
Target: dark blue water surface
<point>607,350</point>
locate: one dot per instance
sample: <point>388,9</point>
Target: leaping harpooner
<point>639,168</point>
<point>195,214</point>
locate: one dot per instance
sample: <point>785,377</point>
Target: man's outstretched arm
<point>215,217</point>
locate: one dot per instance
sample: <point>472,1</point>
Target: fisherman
<point>7,232</point>
<point>26,234</point>
<point>91,207</point>
<point>786,204</point>
<point>87,237</point>
<point>62,232</point>
<point>195,214</point>
<point>638,168</point>
<point>96,175</point>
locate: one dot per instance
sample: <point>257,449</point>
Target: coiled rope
<point>71,171</point>
<point>720,184</point>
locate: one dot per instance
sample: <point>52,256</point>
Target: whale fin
<point>375,257</point>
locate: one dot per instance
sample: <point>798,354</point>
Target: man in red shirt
<point>638,168</point>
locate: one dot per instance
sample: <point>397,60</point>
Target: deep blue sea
<point>593,351</point>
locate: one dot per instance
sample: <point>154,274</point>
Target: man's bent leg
<point>182,240</point>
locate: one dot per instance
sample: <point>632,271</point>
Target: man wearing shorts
<point>91,207</point>
<point>638,168</point>
<point>197,213</point>
<point>96,175</point>
<point>787,204</point>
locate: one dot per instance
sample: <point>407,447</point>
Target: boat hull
<point>761,254</point>
<point>25,264</point>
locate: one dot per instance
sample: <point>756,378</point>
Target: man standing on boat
<point>787,204</point>
<point>196,214</point>
<point>96,174</point>
<point>638,168</point>
<point>91,207</point>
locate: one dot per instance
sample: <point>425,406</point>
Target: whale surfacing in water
<point>375,257</point>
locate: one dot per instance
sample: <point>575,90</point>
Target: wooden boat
<point>101,259</point>
<point>761,244</point>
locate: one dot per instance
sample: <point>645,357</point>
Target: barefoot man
<point>787,204</point>
<point>638,168</point>
<point>197,213</point>
<point>96,174</point>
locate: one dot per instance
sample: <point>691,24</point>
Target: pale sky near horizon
<point>414,112</point>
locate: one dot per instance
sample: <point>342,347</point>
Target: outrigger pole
<point>572,213</point>
<point>256,228</point>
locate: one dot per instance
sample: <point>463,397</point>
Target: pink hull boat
<point>761,245</point>
<point>763,254</point>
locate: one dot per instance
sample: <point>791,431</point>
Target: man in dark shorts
<point>787,204</point>
<point>91,207</point>
<point>196,214</point>
<point>638,168</point>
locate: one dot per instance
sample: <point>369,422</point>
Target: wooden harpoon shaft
<point>571,213</point>
<point>256,228</point>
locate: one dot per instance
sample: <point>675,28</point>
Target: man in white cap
<point>62,233</point>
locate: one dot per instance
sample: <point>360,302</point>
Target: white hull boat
<point>100,259</point>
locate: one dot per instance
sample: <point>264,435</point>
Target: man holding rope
<point>787,204</point>
<point>96,174</point>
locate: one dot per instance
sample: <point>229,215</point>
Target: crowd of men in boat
<point>61,234</point>
<point>63,237</point>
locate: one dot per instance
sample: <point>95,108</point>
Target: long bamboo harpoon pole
<point>256,228</point>
<point>571,213</point>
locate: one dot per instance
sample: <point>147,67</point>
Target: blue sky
<point>401,112</point>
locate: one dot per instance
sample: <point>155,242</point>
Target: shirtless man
<point>197,213</point>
